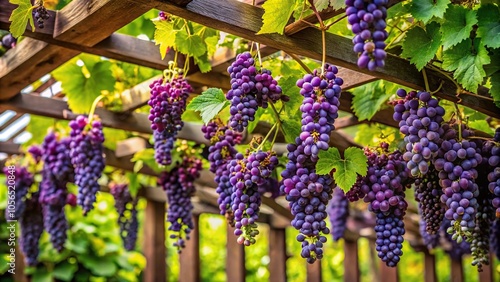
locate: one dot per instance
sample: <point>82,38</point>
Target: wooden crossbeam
<point>11,120</point>
<point>245,21</point>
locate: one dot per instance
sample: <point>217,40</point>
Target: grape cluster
<point>40,14</point>
<point>480,237</point>
<point>272,186</point>
<point>250,88</point>
<point>31,223</point>
<point>222,140</point>
<point>431,241</point>
<point>367,20</point>
<point>23,180</point>
<point>87,158</point>
<point>246,175</point>
<point>419,117</point>
<point>457,250</point>
<point>491,159</point>
<point>495,237</point>
<point>126,207</point>
<point>338,211</point>
<point>36,152</point>
<point>163,145</point>
<point>8,41</point>
<point>428,194</point>
<point>179,186</point>
<point>390,229</point>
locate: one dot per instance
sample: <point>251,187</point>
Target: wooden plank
<point>346,122</point>
<point>430,267</point>
<point>488,270</point>
<point>301,24</point>
<point>314,272</point>
<point>245,21</point>
<point>19,275</point>
<point>190,256</point>
<point>10,148</point>
<point>457,273</point>
<point>388,274</point>
<point>235,258</point>
<point>11,120</point>
<point>154,242</point>
<point>277,255</point>
<point>351,261</point>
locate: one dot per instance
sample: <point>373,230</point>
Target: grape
<point>40,15</point>
<point>390,230</point>
<point>36,152</point>
<point>431,241</point>
<point>246,175</point>
<point>457,250</point>
<point>428,194</point>
<point>179,186</point>
<point>250,88</point>
<point>23,181</point>
<point>490,152</point>
<point>367,20</point>
<point>87,158</point>
<point>163,145</point>
<point>480,238</point>
<point>126,207</point>
<point>31,223</point>
<point>9,41</point>
<point>338,211</point>
<point>419,117</point>
<point>71,199</point>
<point>495,237</point>
<point>271,186</point>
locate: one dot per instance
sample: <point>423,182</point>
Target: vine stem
<point>323,36</point>
<point>266,137</point>
<point>426,81</point>
<point>277,114</point>
<point>298,60</point>
<point>459,117</point>
<point>94,106</point>
<point>258,54</point>
<point>336,21</point>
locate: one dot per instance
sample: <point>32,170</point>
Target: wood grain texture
<point>190,257</point>
<point>429,267</point>
<point>154,242</point>
<point>314,272</point>
<point>351,261</point>
<point>388,274</point>
<point>277,255</point>
<point>457,272</point>
<point>235,259</point>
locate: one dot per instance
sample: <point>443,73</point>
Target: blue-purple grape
<point>428,194</point>
<point>163,146</point>
<point>18,180</point>
<point>338,212</point>
<point>9,41</point>
<point>40,15</point>
<point>431,241</point>
<point>495,237</point>
<point>126,206</point>
<point>31,223</point>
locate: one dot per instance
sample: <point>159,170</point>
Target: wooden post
<point>430,267</point>
<point>277,255</point>
<point>487,274</point>
<point>457,274</point>
<point>19,274</point>
<point>235,260</point>
<point>154,242</point>
<point>351,264</point>
<point>314,272</point>
<point>190,256</point>
<point>388,274</point>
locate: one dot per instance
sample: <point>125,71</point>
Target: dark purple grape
<point>31,223</point>
<point>338,211</point>
<point>9,41</point>
<point>40,15</point>
<point>127,222</point>
<point>18,180</point>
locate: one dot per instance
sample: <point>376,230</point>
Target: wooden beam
<point>429,267</point>
<point>351,261</point>
<point>457,273</point>
<point>154,242</point>
<point>314,272</point>
<point>11,120</point>
<point>488,270</point>
<point>10,148</point>
<point>245,21</point>
<point>346,122</point>
<point>277,255</point>
<point>190,257</point>
<point>389,274</point>
<point>235,258</point>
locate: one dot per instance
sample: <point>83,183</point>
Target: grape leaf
<point>83,84</point>
<point>458,25</point>
<point>209,103</point>
<point>467,60</point>
<point>133,183</point>
<point>489,25</point>
<point>481,125</point>
<point>369,98</point>
<point>191,45</point>
<point>146,157</point>
<point>20,17</point>
<point>203,63</point>
<point>424,10</point>
<point>291,118</point>
<point>337,4</point>
<point>347,169</point>
<point>165,36</point>
<point>495,88</point>
<point>321,4</point>
<point>64,271</point>
<point>276,15</point>
<point>422,45</point>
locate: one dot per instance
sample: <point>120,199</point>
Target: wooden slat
<point>457,273</point>
<point>314,272</point>
<point>190,256</point>
<point>277,255</point>
<point>235,258</point>
<point>351,261</point>
<point>488,270</point>
<point>245,21</point>
<point>11,120</point>
<point>430,267</point>
<point>346,122</point>
<point>154,242</point>
<point>388,274</point>
<point>9,148</point>
<point>304,23</point>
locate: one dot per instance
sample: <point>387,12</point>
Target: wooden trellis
<point>90,26</point>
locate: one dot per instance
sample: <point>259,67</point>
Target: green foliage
<point>142,25</point>
<point>146,157</point>
<point>347,169</point>
<point>369,98</point>
<point>276,15</point>
<point>82,84</point>
<point>425,10</point>
<point>489,25</point>
<point>374,134</point>
<point>422,45</point>
<point>20,17</point>
<point>458,25</point>
<point>209,103</point>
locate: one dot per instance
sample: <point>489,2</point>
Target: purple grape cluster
<point>36,152</point>
<point>40,14</point>
<point>367,20</point>
<point>163,145</point>
<point>18,180</point>
<point>428,195</point>
<point>431,241</point>
<point>456,250</point>
<point>495,237</point>
<point>271,186</point>
<point>390,229</point>
<point>250,89</point>
<point>87,158</point>
<point>490,150</point>
<point>125,204</point>
<point>222,140</point>
<point>480,237</point>
<point>179,186</point>
<point>420,118</point>
<point>31,223</point>
<point>246,175</point>
<point>8,41</point>
<point>338,211</point>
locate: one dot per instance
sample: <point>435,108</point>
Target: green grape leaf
<point>145,157</point>
<point>191,45</point>
<point>203,63</point>
<point>65,271</point>
<point>337,4</point>
<point>321,4</point>
<point>209,103</point>
<point>291,128</point>
<point>422,45</point>
<point>100,266</point>
<point>489,25</point>
<point>290,117</point>
<point>369,98</point>
<point>495,88</point>
<point>82,84</point>
<point>112,136</point>
<point>41,275</point>
<point>467,61</point>
<point>481,125</point>
<point>165,36</point>
<point>276,15</point>
<point>211,43</point>
<point>347,169</point>
<point>133,183</point>
<point>458,25</point>
<point>20,17</point>
<point>424,10</point>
